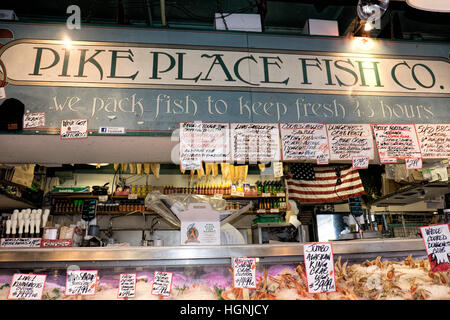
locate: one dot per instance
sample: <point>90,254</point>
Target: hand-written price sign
<point>254,142</point>
<point>244,272</point>
<point>397,141</point>
<point>27,286</point>
<point>319,264</point>
<point>437,244</point>
<point>34,120</point>
<point>127,285</point>
<point>350,140</point>
<point>413,163</point>
<point>81,282</point>
<point>434,140</point>
<point>305,141</point>
<point>74,128</point>
<point>162,283</point>
<point>360,162</point>
<point>201,141</point>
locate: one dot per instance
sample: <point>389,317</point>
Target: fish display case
<point>370,269</point>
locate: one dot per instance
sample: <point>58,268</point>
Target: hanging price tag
<point>413,163</point>
<point>360,162</point>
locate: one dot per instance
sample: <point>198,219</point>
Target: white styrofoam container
<point>321,27</point>
<point>238,22</point>
<point>200,225</point>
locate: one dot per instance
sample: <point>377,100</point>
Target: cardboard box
<point>200,225</point>
<point>321,27</point>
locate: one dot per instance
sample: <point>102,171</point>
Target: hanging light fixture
<point>371,10</point>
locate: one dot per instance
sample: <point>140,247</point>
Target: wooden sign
<point>360,162</point>
<point>398,141</point>
<point>127,285</point>
<point>27,286</point>
<point>34,120</point>
<point>319,265</point>
<point>348,141</point>
<point>434,140</point>
<point>74,129</point>
<point>255,142</point>
<point>305,141</point>
<point>81,282</point>
<point>162,283</point>
<point>201,141</point>
<point>437,245</point>
<point>244,273</point>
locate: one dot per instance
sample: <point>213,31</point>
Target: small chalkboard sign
<point>319,264</point>
<point>244,272</point>
<point>437,245</point>
<point>162,283</point>
<point>26,286</point>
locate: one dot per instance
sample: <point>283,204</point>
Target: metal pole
<point>163,12</point>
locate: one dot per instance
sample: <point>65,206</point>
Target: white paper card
<point>244,272</point>
<point>360,162</point>
<point>74,128</point>
<point>437,244</point>
<point>81,282</point>
<point>319,264</point>
<point>127,285</point>
<point>413,163</point>
<point>162,283</point>
<point>34,120</point>
<point>27,286</point>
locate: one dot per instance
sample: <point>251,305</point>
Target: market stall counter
<point>376,269</point>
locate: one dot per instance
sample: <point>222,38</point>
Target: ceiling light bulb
<point>367,26</point>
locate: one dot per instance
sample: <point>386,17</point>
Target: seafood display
<point>378,279</point>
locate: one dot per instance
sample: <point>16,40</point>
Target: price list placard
<point>255,142</point>
<point>27,286</point>
<point>244,272</point>
<point>348,141</point>
<point>396,141</point>
<point>200,141</point>
<point>434,140</point>
<point>304,141</point>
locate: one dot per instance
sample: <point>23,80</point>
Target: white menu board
<point>200,141</point>
<point>350,140</point>
<point>437,244</point>
<point>74,129</point>
<point>319,265</point>
<point>244,272</point>
<point>396,141</point>
<point>434,140</point>
<point>81,282</point>
<point>304,141</point>
<point>255,142</point>
<point>27,286</point>
<point>127,285</point>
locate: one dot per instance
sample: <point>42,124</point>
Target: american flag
<point>320,184</point>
